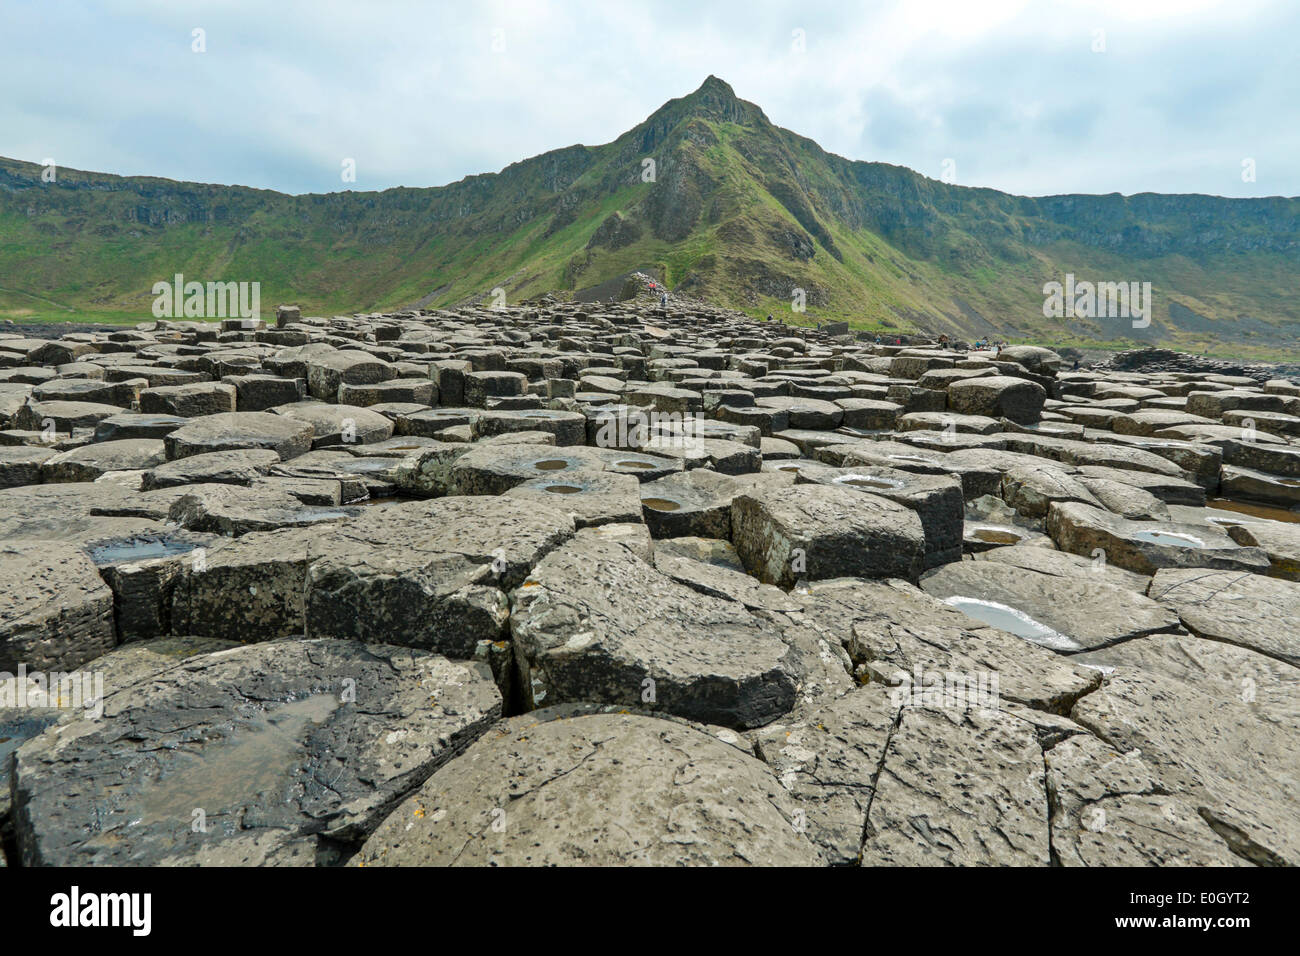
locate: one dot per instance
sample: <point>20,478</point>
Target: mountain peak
<point>715,99</point>
<point>716,86</point>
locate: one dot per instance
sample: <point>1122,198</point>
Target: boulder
<point>595,622</point>
<point>432,575</point>
<point>813,532</point>
<point>998,396</point>
<point>287,437</point>
<point>189,401</point>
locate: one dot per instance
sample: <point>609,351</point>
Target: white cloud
<point>415,93</point>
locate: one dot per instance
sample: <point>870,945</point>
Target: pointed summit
<point>716,86</point>
<point>716,100</point>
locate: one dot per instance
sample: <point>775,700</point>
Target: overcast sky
<point>1029,97</point>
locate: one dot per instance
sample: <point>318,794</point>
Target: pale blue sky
<point>421,94</point>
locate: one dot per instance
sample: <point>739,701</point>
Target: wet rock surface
<point>611,584</point>
<point>253,755</point>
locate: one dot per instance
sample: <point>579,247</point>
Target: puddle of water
<point>660,504</point>
<point>993,535</point>
<point>137,549</point>
<point>869,481</point>
<point>919,459</point>
<point>1266,512</point>
<point>563,489</point>
<point>261,758</point>
<point>551,464</point>
<point>1015,622</point>
<point>1171,538</point>
<point>634,464</point>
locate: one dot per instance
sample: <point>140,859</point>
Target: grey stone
<point>998,396</point>
<point>816,532</point>
<point>595,622</point>
<point>430,574</point>
<point>1145,546</point>
<point>1250,610</point>
<point>189,401</point>
<point>829,758</point>
<point>631,790</point>
<point>240,466</point>
<point>893,630</point>
<point>1238,771</point>
<point>1109,809</point>
<point>94,461</point>
<point>1083,611</point>
<point>56,612</point>
<point>959,788</point>
<point>286,437</point>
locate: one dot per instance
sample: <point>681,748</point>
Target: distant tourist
<point>663,301</point>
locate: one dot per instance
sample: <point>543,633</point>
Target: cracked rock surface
<point>599,790</point>
<point>959,788</point>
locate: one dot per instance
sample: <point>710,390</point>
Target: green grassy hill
<point>740,212</point>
